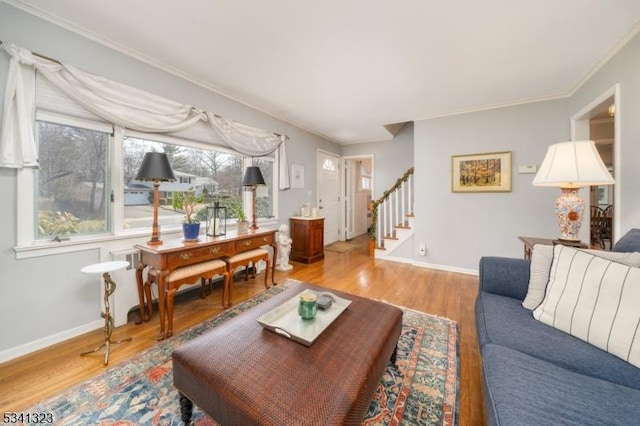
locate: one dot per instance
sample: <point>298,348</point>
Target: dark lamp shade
<point>155,166</point>
<point>252,176</point>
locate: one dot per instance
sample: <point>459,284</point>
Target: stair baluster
<point>391,211</point>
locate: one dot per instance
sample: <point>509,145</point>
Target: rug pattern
<point>420,389</point>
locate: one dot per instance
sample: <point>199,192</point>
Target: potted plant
<point>238,212</point>
<point>187,201</point>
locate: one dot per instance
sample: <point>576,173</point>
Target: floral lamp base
<point>569,213</point>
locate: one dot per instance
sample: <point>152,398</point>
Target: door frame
<point>580,130</point>
<point>340,182</point>
<point>348,192</point>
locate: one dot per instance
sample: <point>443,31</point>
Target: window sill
<point>48,248</point>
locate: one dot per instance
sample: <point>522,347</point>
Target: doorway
<point>358,190</point>
<point>599,121</point>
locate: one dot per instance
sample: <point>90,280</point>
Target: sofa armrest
<point>629,242</point>
<point>504,276</point>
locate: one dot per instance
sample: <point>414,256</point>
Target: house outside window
<point>211,173</point>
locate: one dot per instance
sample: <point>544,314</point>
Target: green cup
<point>307,307</point>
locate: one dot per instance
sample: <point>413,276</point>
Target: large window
<point>73,186</point>
<point>73,189</point>
<point>213,174</point>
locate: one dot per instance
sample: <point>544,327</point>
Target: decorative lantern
<point>216,220</point>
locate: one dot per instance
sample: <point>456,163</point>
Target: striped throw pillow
<point>541,260</point>
<point>595,300</point>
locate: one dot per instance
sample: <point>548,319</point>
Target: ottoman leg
<point>394,355</point>
<point>186,409</point>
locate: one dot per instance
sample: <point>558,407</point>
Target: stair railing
<point>390,211</point>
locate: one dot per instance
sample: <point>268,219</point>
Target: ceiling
<point>346,69</point>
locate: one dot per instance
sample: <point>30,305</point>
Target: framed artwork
<point>490,172</point>
<point>604,195</point>
<point>297,176</point>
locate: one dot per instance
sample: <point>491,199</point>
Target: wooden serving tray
<point>285,321</point>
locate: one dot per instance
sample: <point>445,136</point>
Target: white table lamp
<point>571,166</point>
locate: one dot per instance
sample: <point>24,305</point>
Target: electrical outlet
<point>422,249</point>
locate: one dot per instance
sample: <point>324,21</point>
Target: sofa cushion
<point>503,321</point>
<point>595,300</point>
<point>541,259</point>
<point>523,390</point>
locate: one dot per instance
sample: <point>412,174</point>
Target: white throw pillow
<point>541,258</point>
<point>595,300</point>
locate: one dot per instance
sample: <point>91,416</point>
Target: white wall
<point>622,69</point>
<point>46,299</point>
<point>459,228</point>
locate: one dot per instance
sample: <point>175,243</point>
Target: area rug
<point>420,389</point>
<point>341,247</point>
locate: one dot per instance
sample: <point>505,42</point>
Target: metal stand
<point>109,288</point>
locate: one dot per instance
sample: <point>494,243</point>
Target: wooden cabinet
<point>307,235</point>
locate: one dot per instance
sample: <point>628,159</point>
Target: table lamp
<point>253,177</point>
<point>155,167</point>
<point>571,166</point>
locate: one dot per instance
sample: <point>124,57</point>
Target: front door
<point>329,194</point>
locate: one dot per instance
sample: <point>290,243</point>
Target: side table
<point>529,242</point>
<point>105,268</point>
<point>307,235</point>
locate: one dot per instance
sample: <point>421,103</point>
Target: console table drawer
<point>254,242</point>
<point>189,257</point>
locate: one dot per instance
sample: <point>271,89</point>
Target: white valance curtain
<point>114,102</point>
<point>17,143</point>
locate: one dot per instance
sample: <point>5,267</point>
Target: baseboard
<point>27,348</point>
<point>433,266</point>
<point>447,268</point>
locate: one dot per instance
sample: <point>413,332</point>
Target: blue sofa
<point>534,374</point>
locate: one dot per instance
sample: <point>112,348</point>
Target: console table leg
<point>186,409</point>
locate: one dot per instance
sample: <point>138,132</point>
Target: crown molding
<point>617,47</point>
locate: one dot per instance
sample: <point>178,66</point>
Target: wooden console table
<point>176,253</point>
<point>529,242</point>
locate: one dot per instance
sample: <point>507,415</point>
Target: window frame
<point>102,128</point>
<point>28,246</point>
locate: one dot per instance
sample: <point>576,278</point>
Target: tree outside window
<point>73,181</point>
<point>264,193</point>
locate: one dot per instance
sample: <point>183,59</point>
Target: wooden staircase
<point>392,217</point>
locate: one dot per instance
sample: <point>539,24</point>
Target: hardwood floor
<point>35,377</point>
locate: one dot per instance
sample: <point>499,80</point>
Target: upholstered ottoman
<point>242,374</point>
